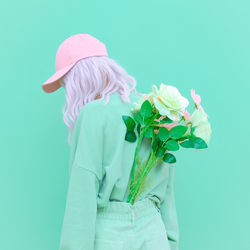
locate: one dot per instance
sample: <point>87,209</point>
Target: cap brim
<point>52,84</point>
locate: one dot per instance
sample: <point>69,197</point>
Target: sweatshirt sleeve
<point>169,213</point>
<point>78,228</point>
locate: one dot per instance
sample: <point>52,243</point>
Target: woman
<point>97,216</point>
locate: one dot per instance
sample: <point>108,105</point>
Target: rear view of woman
<point>97,215</point>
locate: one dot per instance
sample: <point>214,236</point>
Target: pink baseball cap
<point>69,52</point>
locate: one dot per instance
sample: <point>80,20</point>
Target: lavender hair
<point>92,78</point>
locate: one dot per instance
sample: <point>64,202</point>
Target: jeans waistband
<point>124,210</point>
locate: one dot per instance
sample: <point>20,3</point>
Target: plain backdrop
<point>189,44</point>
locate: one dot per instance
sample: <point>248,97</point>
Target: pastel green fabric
<point>100,167</point>
<point>123,226</point>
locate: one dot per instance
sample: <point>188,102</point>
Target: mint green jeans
<point>123,226</point>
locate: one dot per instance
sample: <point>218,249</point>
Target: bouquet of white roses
<point>162,116</point>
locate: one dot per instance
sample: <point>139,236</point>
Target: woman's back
<point>118,154</point>
<point>98,145</point>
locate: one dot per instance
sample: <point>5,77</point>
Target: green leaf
<point>177,131</point>
<point>147,121</point>
<point>160,152</point>
<point>198,142</point>
<point>149,132</point>
<point>172,145</point>
<point>187,144</point>
<point>139,129</point>
<point>184,138</point>
<point>138,118</point>
<point>129,122</point>
<point>166,120</point>
<point>146,109</point>
<point>169,158</point>
<point>192,130</point>
<point>130,136</point>
<point>163,133</point>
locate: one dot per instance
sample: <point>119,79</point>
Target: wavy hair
<point>92,78</point>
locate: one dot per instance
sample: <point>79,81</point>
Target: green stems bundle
<point>134,189</point>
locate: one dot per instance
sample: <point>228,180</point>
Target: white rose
<point>169,101</point>
<point>201,125</point>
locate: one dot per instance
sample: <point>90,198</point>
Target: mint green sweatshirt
<point>100,166</point>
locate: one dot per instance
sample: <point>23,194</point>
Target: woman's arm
<point>86,155</point>
<point>169,214</point>
<point>78,230</point>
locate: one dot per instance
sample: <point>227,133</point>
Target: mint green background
<point>189,44</point>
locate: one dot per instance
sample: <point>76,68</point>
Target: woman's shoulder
<point>103,109</point>
<point>92,108</point>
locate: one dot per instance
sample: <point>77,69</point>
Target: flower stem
<point>144,175</point>
<point>136,152</point>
